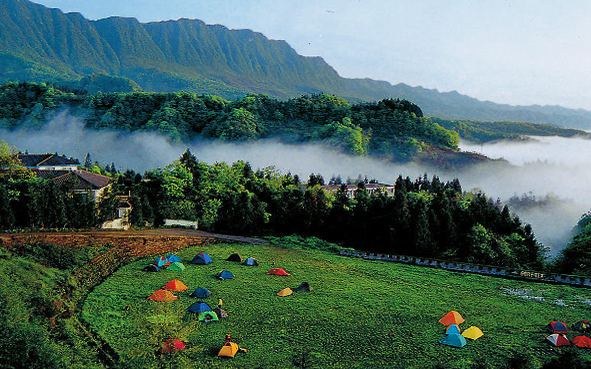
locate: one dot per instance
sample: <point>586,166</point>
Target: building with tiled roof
<point>48,161</point>
<point>77,181</point>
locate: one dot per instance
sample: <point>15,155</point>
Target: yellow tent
<point>453,317</point>
<point>229,349</point>
<point>473,333</point>
<point>285,292</point>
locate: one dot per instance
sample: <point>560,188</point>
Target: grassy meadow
<point>360,313</point>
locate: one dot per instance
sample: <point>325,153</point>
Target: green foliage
<point>480,132</point>
<point>28,304</point>
<point>304,243</point>
<point>575,258</point>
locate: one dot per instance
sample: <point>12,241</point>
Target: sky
<point>512,52</point>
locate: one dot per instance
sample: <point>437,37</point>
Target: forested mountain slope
<point>42,44</point>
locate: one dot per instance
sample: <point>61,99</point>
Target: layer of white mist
<point>556,166</point>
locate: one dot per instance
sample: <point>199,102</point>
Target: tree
<point>10,165</point>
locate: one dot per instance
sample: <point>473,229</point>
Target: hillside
<point>41,44</point>
<point>359,314</point>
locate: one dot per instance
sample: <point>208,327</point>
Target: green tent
<point>176,266</point>
<point>208,316</point>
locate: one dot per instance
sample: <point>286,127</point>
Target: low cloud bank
<point>557,166</point>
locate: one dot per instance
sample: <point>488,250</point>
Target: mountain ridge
<point>44,44</point>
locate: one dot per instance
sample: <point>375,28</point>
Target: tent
<point>472,333</point>
<point>201,293</point>
<point>557,327</point>
<point>452,328</point>
<point>303,287</point>
<point>251,262</point>
<point>229,349</point>
<point>285,292</point>
<point>224,274</point>
<point>161,261</point>
<point>454,339</point>
<point>558,339</point>
<point>199,307</point>
<point>173,258</point>
<point>582,325</point>
<point>201,258</point>
<point>453,317</point>
<point>151,268</point>
<point>175,285</point>
<point>177,266</point>
<point>162,295</point>
<point>221,313</point>
<point>235,257</point>
<point>172,345</point>
<point>581,341</point>
<point>278,271</point>
<point>208,316</point>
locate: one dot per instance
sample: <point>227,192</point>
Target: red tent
<point>453,317</point>
<point>278,271</point>
<point>558,339</point>
<point>557,327</point>
<point>581,341</point>
<point>172,345</point>
<point>162,295</point>
<point>175,285</point>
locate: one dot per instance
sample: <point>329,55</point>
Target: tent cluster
<point>558,331</point>
<point>453,334</point>
<point>203,311</point>
<point>171,262</point>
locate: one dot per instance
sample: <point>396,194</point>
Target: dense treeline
<point>426,217</point>
<point>575,258</point>
<point>391,128</point>
<point>480,132</point>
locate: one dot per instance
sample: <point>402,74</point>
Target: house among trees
<point>48,162</point>
<point>66,172</point>
<point>371,188</point>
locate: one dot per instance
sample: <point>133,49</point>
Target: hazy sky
<point>516,52</point>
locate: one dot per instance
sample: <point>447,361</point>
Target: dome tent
<point>235,257</point>
<point>201,293</point>
<point>202,259</point>
<point>224,274</point>
<point>199,307</point>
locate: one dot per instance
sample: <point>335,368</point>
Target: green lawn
<point>360,314</point>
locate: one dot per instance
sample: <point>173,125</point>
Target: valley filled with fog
<point>555,170</point>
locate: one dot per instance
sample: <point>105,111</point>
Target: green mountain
<point>42,44</point>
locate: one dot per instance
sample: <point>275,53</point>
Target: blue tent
<point>161,261</point>
<point>224,274</point>
<point>173,258</point>
<point>201,293</point>
<point>454,339</point>
<point>199,307</point>
<point>453,328</point>
<point>251,262</point>
<point>202,258</point>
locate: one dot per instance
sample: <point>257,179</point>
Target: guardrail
<point>580,281</point>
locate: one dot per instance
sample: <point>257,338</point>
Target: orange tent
<point>172,345</point>
<point>175,285</point>
<point>453,317</point>
<point>162,295</point>
<point>285,292</point>
<point>278,271</point>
